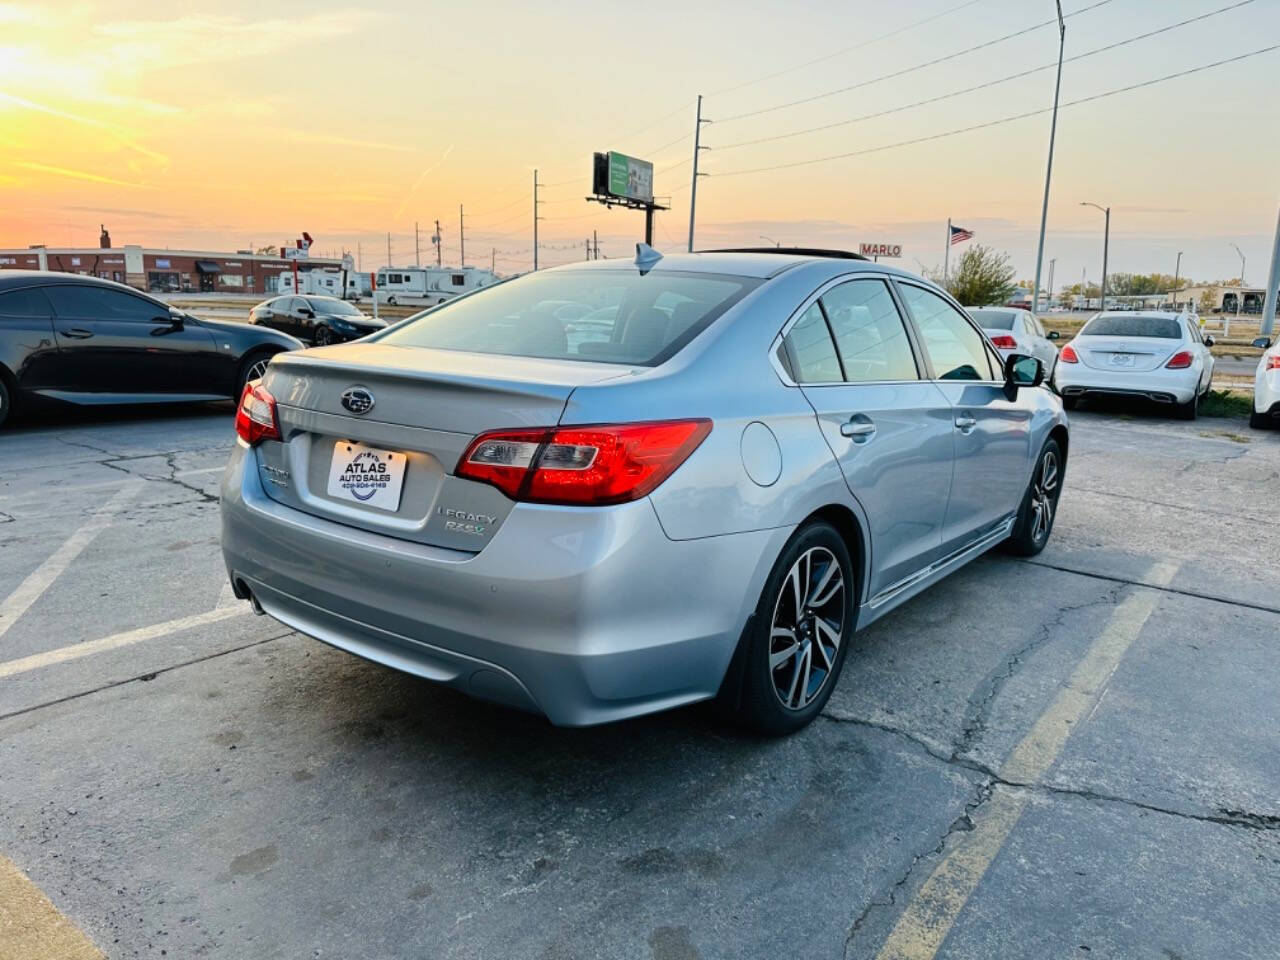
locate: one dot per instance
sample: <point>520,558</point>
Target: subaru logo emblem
<point>357,399</point>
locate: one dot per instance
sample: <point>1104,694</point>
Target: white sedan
<point>1159,356</point>
<point>1266,387</point>
<point>1013,330</point>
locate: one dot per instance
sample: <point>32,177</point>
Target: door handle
<point>858,429</point>
<point>78,333</point>
<point>966,423</point>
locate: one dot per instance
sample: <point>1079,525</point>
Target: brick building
<point>166,271</point>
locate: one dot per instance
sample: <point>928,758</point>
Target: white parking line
<point>29,591</point>
<point>75,651</point>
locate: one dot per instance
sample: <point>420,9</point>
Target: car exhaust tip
<point>243,592</point>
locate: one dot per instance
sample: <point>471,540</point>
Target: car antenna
<point>646,257</point>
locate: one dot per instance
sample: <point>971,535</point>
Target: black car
<point>318,320</point>
<point>82,340</point>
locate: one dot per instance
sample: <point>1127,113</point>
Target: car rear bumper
<point>1161,386</point>
<point>583,614</point>
<point>1266,393</point>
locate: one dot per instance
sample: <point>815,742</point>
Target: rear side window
<point>811,356</point>
<point>1161,328</point>
<point>869,332</point>
<point>637,319</point>
<point>957,350</point>
<point>97,303</point>
<point>24,303</point>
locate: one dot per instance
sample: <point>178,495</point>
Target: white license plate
<point>1122,359</point>
<point>366,475</point>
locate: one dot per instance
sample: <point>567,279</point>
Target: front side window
<point>956,349</point>
<point>530,316</point>
<point>811,356</point>
<point>97,303</point>
<point>869,332</point>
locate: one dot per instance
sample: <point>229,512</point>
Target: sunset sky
<point>246,123</point>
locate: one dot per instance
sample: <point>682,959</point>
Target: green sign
<point>630,178</point>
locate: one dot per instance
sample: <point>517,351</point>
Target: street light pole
<point>1048,174</point>
<point>1106,243</point>
<point>1240,295</point>
<point>770,240</point>
<point>1177,271</point>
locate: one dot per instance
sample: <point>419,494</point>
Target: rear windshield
<point>994,319</point>
<point>606,316</point>
<point>1163,328</point>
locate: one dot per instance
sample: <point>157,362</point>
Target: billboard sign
<point>880,249</point>
<point>295,253</point>
<point>617,175</point>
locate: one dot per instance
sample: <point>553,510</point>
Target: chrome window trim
<point>813,298</point>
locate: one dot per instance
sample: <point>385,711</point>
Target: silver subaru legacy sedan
<point>743,457</point>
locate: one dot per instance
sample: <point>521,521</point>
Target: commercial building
<point>166,271</point>
<point>1210,298</point>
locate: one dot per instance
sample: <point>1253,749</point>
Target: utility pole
<point>417,252</point>
<point>437,239</point>
<point>595,239</point>
<point>462,239</point>
<point>1052,264</point>
<point>1048,174</point>
<point>493,259</point>
<point>587,245</point>
<point>388,248</point>
<point>536,218</point>
<point>1273,282</point>
<point>697,146</point>
<point>1177,270</point>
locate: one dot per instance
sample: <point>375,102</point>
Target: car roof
<point>14,279</point>
<point>741,263</point>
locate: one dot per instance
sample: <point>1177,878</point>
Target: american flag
<point>960,235</point>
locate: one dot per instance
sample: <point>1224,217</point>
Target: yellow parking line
<point>31,928</point>
<point>928,918</point>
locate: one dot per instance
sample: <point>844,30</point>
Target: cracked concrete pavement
<point>232,789</point>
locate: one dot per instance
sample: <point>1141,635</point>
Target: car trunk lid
<point>421,408</point>
<point>1124,353</point>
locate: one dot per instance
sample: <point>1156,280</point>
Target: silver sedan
<point>756,454</point>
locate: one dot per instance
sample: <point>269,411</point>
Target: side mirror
<point>306,313</point>
<point>1021,370</point>
<point>173,320</point>
<point>1054,335</point>
<point>1262,343</point>
<point>1208,341</point>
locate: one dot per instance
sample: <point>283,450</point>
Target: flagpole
<point>946,253</point>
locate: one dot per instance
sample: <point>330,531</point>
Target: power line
<point>505,206</point>
<point>1002,120</point>
<point>920,66</point>
<point>840,53</point>
<point>981,86</point>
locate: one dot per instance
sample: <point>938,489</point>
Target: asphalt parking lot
<point>1074,756</point>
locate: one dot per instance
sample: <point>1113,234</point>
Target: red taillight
<point>585,466</point>
<point>1180,360</point>
<point>1004,342</point>
<point>1068,355</point>
<point>1273,362</point>
<point>256,419</point>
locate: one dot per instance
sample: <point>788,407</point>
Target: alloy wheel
<point>258,370</point>
<point>322,336</point>
<point>1044,496</point>
<point>808,628</point>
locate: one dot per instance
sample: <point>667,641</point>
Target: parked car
<point>316,320</point>
<point>1266,386</point>
<point>704,504</point>
<point>1018,330</point>
<point>1162,357</point>
<point>81,340</point>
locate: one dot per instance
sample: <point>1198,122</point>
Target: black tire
<point>1259,421</point>
<point>1188,410</point>
<point>1070,403</point>
<point>391,301</point>
<point>322,336</point>
<point>6,402</point>
<point>1030,532</point>
<point>764,688</point>
<point>252,368</point>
